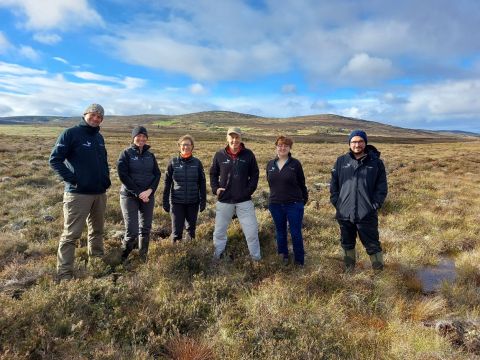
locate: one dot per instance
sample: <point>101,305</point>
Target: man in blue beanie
<point>357,190</point>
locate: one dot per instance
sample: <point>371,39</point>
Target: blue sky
<point>408,63</point>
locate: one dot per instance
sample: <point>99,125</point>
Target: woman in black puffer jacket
<point>185,190</point>
<point>139,173</point>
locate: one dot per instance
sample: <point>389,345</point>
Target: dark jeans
<point>367,230</point>
<point>293,214</point>
<point>183,214</point>
<point>137,217</point>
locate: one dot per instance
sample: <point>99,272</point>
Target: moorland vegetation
<point>182,305</point>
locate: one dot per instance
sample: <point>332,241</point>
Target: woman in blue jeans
<point>288,195</point>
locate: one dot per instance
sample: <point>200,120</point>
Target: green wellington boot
<point>377,261</point>
<point>349,259</point>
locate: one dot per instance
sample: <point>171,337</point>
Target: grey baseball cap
<point>94,108</point>
<point>234,130</point>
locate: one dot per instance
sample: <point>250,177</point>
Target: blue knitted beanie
<point>360,133</point>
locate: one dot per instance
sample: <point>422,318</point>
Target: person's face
<point>283,150</point>
<point>185,147</point>
<point>234,141</point>
<point>140,140</point>
<point>357,145</point>
<point>93,119</point>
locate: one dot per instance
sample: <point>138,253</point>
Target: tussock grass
<point>182,304</point>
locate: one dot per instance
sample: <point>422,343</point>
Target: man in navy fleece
<point>79,158</point>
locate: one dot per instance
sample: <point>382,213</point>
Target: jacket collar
<point>84,125</point>
<point>137,149</point>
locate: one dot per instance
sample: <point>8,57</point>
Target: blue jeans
<point>293,214</point>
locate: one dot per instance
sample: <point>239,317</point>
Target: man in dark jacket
<point>234,178</point>
<point>357,190</point>
<point>79,158</point>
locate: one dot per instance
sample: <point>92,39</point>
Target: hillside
<point>212,124</point>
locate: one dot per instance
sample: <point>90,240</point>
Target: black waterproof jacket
<point>358,188</point>
<point>79,158</point>
<point>286,185</point>
<point>239,177</point>
<point>137,171</point>
<point>185,182</point>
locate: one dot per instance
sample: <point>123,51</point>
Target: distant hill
<point>32,119</point>
<point>458,132</point>
<point>312,128</point>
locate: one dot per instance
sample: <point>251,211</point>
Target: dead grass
<point>181,302</point>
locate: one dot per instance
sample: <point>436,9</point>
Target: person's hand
<point>145,195</point>
<point>219,190</point>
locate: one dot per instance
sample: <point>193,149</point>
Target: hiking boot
<point>377,261</point>
<point>350,260</point>
<point>143,242</point>
<point>64,277</point>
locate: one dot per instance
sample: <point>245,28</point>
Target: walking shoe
<point>283,259</point>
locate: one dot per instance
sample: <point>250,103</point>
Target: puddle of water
<point>432,276</point>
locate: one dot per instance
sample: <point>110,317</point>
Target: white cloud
<point>27,90</point>
<point>48,39</point>
<point>14,69</point>
<point>198,61</point>
<point>59,59</point>
<point>447,99</point>
<point>132,82</point>
<point>378,36</point>
<point>4,43</point>
<point>23,51</point>
<point>321,106</point>
<point>198,89</point>
<point>28,52</point>
<point>127,82</point>
<point>353,112</point>
<point>51,14</point>
<point>365,69</point>
<point>86,75</point>
<point>356,42</point>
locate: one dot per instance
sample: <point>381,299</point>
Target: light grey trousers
<point>246,215</point>
<point>78,209</point>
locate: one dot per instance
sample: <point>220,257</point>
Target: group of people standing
<point>358,189</point>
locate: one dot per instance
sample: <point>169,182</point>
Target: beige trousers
<point>78,209</point>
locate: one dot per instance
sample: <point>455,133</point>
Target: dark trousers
<point>183,214</point>
<point>137,216</point>
<point>293,214</point>
<point>367,230</point>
